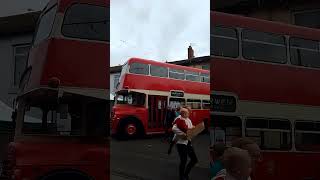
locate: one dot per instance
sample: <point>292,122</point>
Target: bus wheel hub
<point>131,129</point>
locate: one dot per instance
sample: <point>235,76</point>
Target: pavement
<point>147,159</point>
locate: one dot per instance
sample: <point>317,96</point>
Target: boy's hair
<point>219,149</point>
<point>242,142</point>
<point>234,158</point>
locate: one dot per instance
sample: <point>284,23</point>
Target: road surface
<point>147,159</point>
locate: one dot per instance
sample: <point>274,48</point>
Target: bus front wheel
<point>129,129</point>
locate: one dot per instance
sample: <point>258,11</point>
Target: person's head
<point>188,108</point>
<point>237,163</point>
<point>218,150</point>
<point>252,148</point>
<point>184,112</point>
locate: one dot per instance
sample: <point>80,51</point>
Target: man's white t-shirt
<point>177,131</point>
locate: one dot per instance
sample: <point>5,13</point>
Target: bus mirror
<point>63,110</point>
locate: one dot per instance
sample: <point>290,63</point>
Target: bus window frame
<point>242,39</point>
<point>46,10</point>
<point>290,131</point>
<point>304,131</point>
<point>238,39</point>
<point>198,101</point>
<point>73,37</point>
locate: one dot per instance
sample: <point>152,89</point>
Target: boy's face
<point>184,113</point>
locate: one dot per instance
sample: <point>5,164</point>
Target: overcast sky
<point>159,30</point>
<point>12,7</point>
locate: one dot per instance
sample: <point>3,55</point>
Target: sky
<point>13,7</point>
<point>160,30</point>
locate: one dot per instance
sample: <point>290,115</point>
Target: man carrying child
<point>181,125</point>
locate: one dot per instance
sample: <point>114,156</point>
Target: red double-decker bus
<point>148,87</point>
<point>61,112</point>
<point>263,86</point>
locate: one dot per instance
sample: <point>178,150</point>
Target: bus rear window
<point>45,25</point>
<point>86,21</point>
<point>270,134</point>
<point>138,68</point>
<point>307,136</point>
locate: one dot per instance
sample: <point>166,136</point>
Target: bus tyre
<point>129,129</point>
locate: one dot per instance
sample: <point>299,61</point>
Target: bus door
<point>157,106</point>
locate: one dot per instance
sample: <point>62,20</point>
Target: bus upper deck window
<point>86,21</point>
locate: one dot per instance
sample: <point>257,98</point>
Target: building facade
<point>16,34</point>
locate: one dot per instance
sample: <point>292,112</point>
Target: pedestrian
<point>170,116</point>
<point>217,154</point>
<point>174,138</point>
<point>184,146</point>
<point>252,148</point>
<point>237,163</point>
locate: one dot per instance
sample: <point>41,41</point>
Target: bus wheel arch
<point>66,174</point>
<point>130,127</point>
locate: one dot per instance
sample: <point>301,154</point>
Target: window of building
<point>304,52</point>
<point>45,25</point>
<point>116,78</point>
<point>86,21</point>
<point>158,71</point>
<point>139,68</point>
<point>205,77</point>
<point>194,103</point>
<point>206,67</point>
<point>192,76</point>
<point>307,18</point>
<point>205,104</point>
<point>270,134</point>
<point>176,74</point>
<point>307,136</point>
<point>261,46</point>
<point>20,62</point>
<point>224,42</point>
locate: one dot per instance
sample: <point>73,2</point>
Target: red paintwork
<point>64,4</point>
<point>80,64</point>
<point>257,81</point>
<point>89,158</point>
<point>142,82</point>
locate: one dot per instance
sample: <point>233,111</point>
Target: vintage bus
<point>264,87</point>
<point>147,88</point>
<point>61,112</point>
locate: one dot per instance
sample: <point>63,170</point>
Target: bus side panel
<point>163,84</point>
<point>66,64</point>
<point>256,81</point>
<point>288,165</point>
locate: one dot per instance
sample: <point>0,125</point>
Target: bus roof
<point>218,18</point>
<point>145,61</point>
